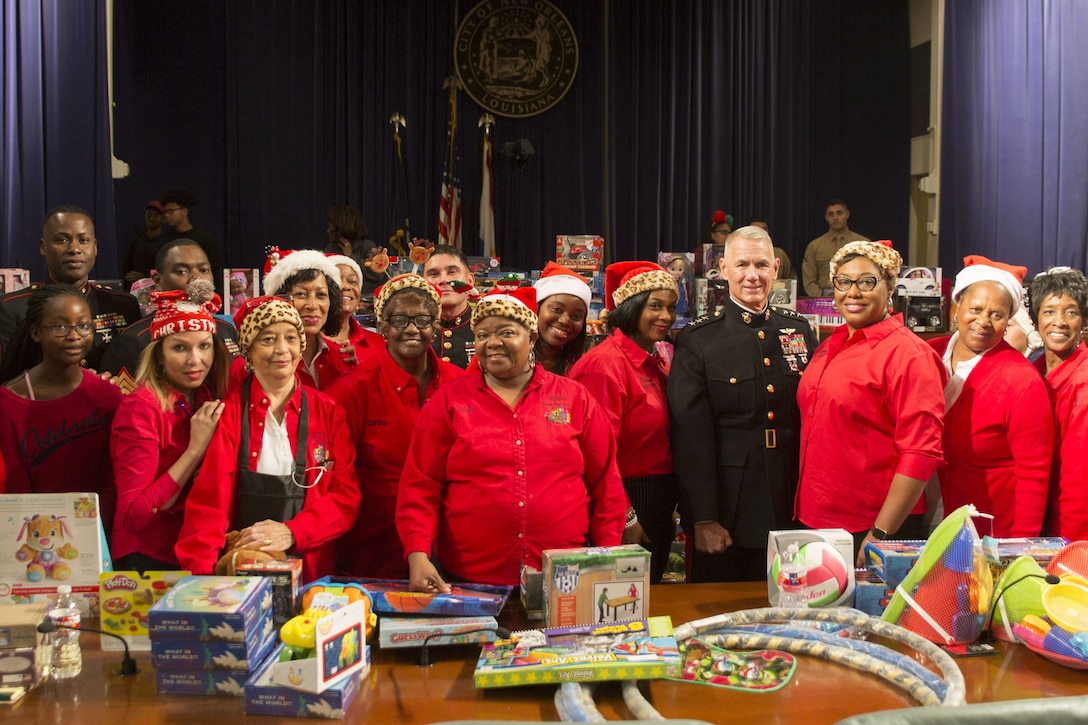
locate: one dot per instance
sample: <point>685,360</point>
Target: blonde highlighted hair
<point>152,372</point>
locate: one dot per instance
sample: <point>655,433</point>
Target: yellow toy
<point>298,633</point>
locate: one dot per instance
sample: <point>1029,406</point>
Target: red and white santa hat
<point>623,280</point>
<point>187,310</point>
<point>977,268</point>
<point>347,261</point>
<point>555,279</point>
<point>284,264</point>
<point>519,305</point>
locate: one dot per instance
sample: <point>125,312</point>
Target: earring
<point>249,366</point>
<point>532,359</point>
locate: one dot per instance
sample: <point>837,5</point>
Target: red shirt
<point>629,385</point>
<point>62,445</point>
<point>1067,385</point>
<point>998,441</point>
<point>871,407</point>
<point>381,403</point>
<point>365,342</point>
<point>492,487</point>
<point>146,441</point>
<point>330,506</point>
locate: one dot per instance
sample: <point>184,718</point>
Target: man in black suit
<point>734,418</point>
<point>70,249</point>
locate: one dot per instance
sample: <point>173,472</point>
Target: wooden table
<point>397,691</point>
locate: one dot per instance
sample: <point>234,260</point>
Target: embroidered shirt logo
<point>558,415</point>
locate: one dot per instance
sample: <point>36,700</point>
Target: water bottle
<point>792,578</point>
<point>67,658</point>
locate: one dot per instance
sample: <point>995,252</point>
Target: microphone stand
<point>425,653</point>
<point>128,665</point>
<point>987,635</point>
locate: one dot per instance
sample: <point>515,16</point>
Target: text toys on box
<point>215,608</point>
<point>641,649</point>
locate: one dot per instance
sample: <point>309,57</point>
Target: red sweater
<point>1067,385</point>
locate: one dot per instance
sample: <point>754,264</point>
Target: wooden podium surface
<point>396,690</point>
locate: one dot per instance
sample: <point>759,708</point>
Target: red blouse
<point>1067,385</point>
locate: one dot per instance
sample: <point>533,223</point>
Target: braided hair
<point>22,352</point>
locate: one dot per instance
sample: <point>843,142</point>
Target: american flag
<point>449,211</point>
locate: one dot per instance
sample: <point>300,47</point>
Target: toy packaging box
<point>1002,552</point>
<point>241,285</point>
<point>286,576</point>
<point>25,653</point>
<point>592,585</point>
<point>921,281</point>
<point>194,654</point>
<point>641,649</point>
<point>213,608</point>
<point>125,598</point>
<point>228,683</point>
<point>414,631</point>
<point>264,696</point>
<point>922,313</point>
<point>13,279</point>
<point>871,594</point>
<point>51,539</point>
<point>827,315</point>
<point>340,649</point>
<point>532,591</point>
<point>784,294</point>
<point>583,252</point>
<point>829,559</point>
<point>392,596</point>
<point>892,560</point>
<point>681,265</point>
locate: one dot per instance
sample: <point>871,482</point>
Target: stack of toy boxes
<point>209,632</point>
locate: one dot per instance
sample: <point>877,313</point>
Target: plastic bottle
<point>67,657</point>
<point>792,578</point>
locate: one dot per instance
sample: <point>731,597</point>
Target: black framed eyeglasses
<point>865,284</point>
<point>62,329</point>
<point>171,211</point>
<point>399,322</point>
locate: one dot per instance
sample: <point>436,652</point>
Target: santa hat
<point>347,261</point>
<point>402,282</point>
<point>519,305</point>
<point>187,310</point>
<point>559,280</point>
<point>260,312</point>
<point>977,268</point>
<point>282,265</point>
<point>624,280</point>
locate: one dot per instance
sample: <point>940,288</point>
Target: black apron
<point>264,495</point>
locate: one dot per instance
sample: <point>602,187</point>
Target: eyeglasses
<point>171,211</point>
<point>865,284</point>
<point>399,322</point>
<point>62,329</point>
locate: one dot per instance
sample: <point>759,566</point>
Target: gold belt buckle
<point>771,438</point>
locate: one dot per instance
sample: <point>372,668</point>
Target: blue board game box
<point>197,654</point>
<point>264,696</point>
<point>212,608</point>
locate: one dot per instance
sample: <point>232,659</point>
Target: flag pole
<point>487,191</point>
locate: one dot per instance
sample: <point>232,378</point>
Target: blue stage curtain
<point>55,147</point>
<point>1014,159</point>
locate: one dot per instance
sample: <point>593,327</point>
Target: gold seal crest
<point>516,58</point>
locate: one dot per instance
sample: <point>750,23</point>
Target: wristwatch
<point>878,533</point>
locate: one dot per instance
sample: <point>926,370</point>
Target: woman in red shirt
<point>281,464</point>
<point>506,462</point>
<point>563,302</point>
<point>871,403</point>
<point>356,343</point>
<point>162,429</point>
<point>382,400</point>
<point>998,427</point>
<point>626,374</point>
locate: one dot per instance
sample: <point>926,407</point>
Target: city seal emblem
<point>516,58</point>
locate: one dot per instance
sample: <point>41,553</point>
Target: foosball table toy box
<point>592,585</point>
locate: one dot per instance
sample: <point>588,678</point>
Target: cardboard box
<point>13,279</point>
<point>922,314</point>
<point>892,560</point>
<point>126,597</point>
<point>784,294</point>
<point>923,281</point>
<point>340,650</point>
<point>193,654</point>
<point>829,555</point>
<point>213,608</point>
<point>871,594</point>
<point>25,666</point>
<point>29,573</point>
<point>532,592</point>
<point>19,625</point>
<point>200,682</point>
<point>286,579</point>
<point>414,631</point>
<point>265,697</point>
<point>1002,552</point>
<point>393,596</point>
<point>827,314</point>
<point>583,252</point>
<point>641,649</point>
<point>241,284</point>
<point>590,585</point>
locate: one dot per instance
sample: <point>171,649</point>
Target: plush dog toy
<point>45,549</point>
<point>235,555</point>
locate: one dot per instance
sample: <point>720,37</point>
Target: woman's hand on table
<point>267,535</point>
<point>423,576</point>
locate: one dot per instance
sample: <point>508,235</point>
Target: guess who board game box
<point>51,539</point>
<point>593,585</point>
<point>642,649</point>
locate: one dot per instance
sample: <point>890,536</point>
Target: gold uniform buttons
<point>447,333</point>
<point>447,345</point>
<point>732,381</point>
<point>766,362</point>
<point>770,388</point>
<point>761,334</point>
<point>770,415</point>
<point>446,359</point>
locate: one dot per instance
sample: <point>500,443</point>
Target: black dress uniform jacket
<point>734,418</point>
<point>455,343</point>
<point>111,312</point>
